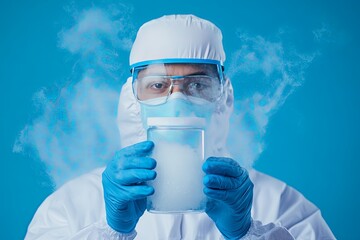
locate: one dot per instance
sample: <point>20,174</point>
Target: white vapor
<point>76,131</point>
<point>263,74</point>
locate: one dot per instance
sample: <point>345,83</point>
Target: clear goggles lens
<point>159,81</point>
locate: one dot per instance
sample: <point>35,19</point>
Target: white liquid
<point>179,182</point>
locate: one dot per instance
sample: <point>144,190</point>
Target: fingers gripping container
<point>179,153</point>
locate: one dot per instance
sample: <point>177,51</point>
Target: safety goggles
<point>154,83</point>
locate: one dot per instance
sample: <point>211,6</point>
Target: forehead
<point>178,69</point>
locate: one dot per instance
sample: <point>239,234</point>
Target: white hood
<point>184,37</point>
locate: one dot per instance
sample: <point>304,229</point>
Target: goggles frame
<point>173,78</point>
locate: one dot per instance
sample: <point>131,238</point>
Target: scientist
<point>177,71</point>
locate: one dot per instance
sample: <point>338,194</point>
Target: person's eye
<point>157,86</point>
<point>197,85</point>
<point>154,83</point>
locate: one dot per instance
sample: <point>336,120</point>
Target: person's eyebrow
<point>204,72</point>
<point>197,73</point>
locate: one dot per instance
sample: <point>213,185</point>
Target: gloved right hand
<point>125,190</point>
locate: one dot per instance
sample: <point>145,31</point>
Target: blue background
<point>311,142</point>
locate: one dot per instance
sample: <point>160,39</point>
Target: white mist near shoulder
<point>179,153</point>
<point>74,129</point>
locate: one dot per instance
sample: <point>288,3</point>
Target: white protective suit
<point>77,209</point>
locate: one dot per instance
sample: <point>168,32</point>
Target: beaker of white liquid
<point>179,153</point>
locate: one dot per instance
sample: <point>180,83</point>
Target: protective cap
<point>177,39</point>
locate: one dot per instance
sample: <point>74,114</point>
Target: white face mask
<point>177,105</point>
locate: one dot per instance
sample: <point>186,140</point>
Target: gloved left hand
<point>230,193</point>
<point>125,189</point>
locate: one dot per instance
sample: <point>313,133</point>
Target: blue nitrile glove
<point>230,192</point>
<point>125,190</point>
